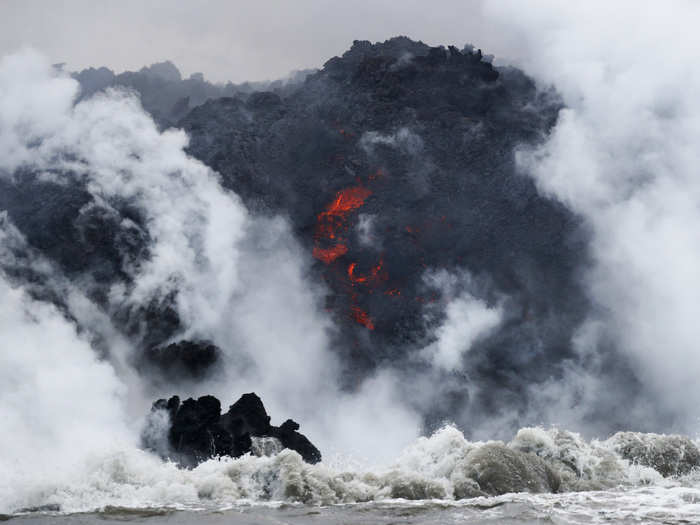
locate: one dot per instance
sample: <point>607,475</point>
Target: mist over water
<point>623,156</point>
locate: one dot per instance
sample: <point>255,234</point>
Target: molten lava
<point>376,274</point>
<point>328,255</point>
<point>334,218</point>
<point>330,243</point>
<point>353,278</point>
<point>332,222</point>
<point>362,317</point>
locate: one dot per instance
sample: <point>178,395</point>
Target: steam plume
<point>237,280</point>
<point>624,155</point>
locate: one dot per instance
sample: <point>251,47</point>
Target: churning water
<point>541,476</point>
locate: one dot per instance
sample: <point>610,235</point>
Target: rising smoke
<point>238,281</point>
<point>624,155</point>
<point>467,319</point>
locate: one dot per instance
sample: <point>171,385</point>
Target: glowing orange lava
<point>345,202</point>
<point>331,243</point>
<point>355,278</point>
<point>332,222</point>
<point>376,274</point>
<point>362,317</point>
<point>328,255</point>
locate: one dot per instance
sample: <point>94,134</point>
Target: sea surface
<point>645,505</point>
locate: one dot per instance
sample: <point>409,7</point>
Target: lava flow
<point>329,241</point>
<point>332,223</point>
<point>362,317</point>
<point>328,255</point>
<point>376,274</point>
<point>330,244</point>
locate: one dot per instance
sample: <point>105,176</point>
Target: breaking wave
<point>444,466</point>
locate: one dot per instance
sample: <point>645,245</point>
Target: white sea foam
<point>438,468</point>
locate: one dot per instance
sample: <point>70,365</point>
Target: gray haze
<point>231,39</point>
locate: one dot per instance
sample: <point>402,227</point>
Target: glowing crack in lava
<point>330,244</point>
<point>328,255</point>
<point>376,274</point>
<point>332,222</point>
<point>362,317</point>
<point>353,278</point>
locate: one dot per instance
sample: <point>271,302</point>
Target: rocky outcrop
<point>194,430</point>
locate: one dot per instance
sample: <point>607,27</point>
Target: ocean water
<point>642,505</point>
<point>542,476</point>
<point>668,506</point>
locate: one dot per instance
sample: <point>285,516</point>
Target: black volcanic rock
<point>247,416</point>
<point>190,358</point>
<point>293,440</point>
<point>429,136</point>
<point>197,430</point>
<point>195,433</point>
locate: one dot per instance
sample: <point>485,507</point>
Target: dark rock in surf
<point>291,439</point>
<point>196,434</point>
<point>195,430</point>
<point>248,415</point>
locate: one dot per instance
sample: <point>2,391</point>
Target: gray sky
<point>232,40</point>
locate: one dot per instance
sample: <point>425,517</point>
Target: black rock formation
<point>417,143</point>
<point>197,430</point>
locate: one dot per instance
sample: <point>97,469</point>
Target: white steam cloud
<point>467,320</point>
<point>240,281</point>
<point>58,404</point>
<point>403,139</point>
<point>625,156</point>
